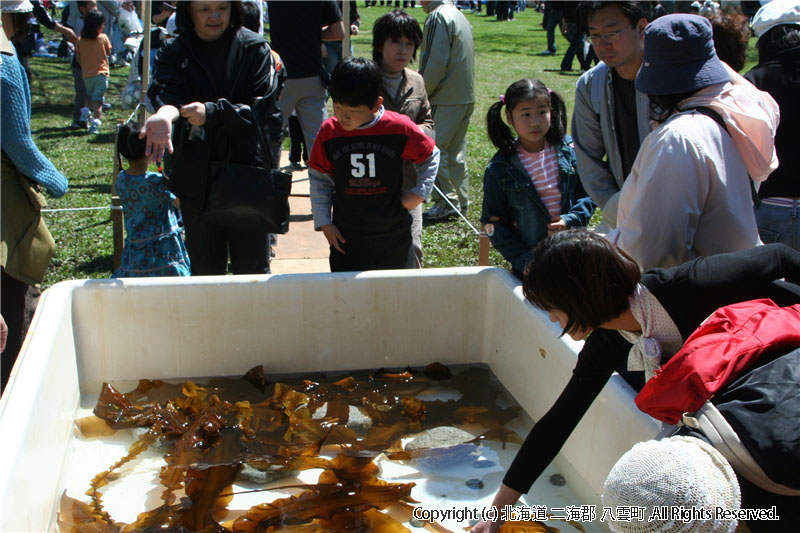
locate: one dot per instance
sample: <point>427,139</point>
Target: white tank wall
<point>162,328</point>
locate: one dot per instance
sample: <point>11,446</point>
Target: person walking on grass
<point>92,53</point>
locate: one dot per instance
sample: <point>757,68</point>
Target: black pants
<point>210,245</point>
<point>17,306</point>
<point>576,47</point>
<point>374,254</point>
<point>502,9</point>
<point>297,143</point>
<point>80,93</point>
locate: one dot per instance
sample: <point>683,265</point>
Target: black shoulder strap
<point>707,111</point>
<point>710,113</point>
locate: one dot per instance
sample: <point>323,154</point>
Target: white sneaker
<point>96,123</point>
<point>85,112</point>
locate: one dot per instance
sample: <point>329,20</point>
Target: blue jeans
<point>553,20</point>
<point>779,224</point>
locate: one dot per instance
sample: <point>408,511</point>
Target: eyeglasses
<point>610,37</point>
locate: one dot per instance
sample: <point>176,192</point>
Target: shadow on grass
<point>64,109</point>
<point>58,133</point>
<point>509,44</point>
<point>92,225</point>
<point>100,263</point>
<point>102,138</point>
<point>574,73</point>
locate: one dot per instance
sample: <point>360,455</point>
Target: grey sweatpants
<point>307,97</point>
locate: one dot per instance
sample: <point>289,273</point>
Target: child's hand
<point>411,200</point>
<point>334,236</point>
<point>194,113</point>
<point>556,224</point>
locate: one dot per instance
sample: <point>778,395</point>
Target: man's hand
<point>334,236</point>
<point>194,113</point>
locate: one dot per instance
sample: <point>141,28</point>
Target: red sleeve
<point>319,159</point>
<point>106,44</point>
<point>419,146</point>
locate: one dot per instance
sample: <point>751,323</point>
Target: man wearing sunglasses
<point>611,118</point>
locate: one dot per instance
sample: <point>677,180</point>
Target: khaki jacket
<point>447,55</point>
<point>27,245</point>
<point>412,101</point>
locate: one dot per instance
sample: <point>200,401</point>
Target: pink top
<point>542,167</point>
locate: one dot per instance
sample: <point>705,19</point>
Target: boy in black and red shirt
<point>356,169</point>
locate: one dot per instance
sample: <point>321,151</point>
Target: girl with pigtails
<point>531,187</point>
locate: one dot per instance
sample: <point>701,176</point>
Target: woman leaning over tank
<point>589,285</point>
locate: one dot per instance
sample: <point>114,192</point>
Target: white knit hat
<point>16,7</point>
<point>679,472</point>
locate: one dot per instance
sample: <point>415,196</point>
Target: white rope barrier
<point>458,212</point>
<point>113,208</point>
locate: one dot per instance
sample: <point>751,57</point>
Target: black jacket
<point>780,77</point>
<point>763,407</point>
<point>250,80</point>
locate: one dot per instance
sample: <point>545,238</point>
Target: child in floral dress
<point>153,242</point>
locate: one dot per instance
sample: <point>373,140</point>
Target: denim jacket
<point>517,218</point>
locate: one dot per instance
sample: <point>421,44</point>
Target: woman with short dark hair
<point>396,37</point>
<point>209,81</point>
<point>589,285</point>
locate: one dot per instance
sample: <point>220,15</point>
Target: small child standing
<point>153,243</point>
<point>92,52</point>
<point>356,169</point>
<point>531,187</point>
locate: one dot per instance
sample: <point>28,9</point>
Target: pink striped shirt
<point>542,167</point>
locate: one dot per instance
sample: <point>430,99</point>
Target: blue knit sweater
<point>15,130</point>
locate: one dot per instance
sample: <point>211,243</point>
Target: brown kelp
<point>213,430</point>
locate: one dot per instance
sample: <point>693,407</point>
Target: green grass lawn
<point>504,52</point>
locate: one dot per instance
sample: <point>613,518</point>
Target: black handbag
<point>248,197</point>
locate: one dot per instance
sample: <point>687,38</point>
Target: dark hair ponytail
<point>499,133</point>
<point>520,91</point>
<point>558,119</point>
<point>129,145</point>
